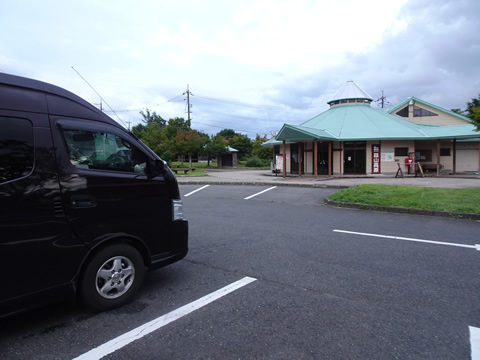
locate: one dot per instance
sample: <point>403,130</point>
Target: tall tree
<point>152,118</point>
<point>216,145</point>
<point>261,152</point>
<point>227,133</point>
<point>473,111</point>
<point>243,144</point>
<point>189,142</point>
<point>148,119</point>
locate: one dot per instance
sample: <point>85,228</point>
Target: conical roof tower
<point>350,93</point>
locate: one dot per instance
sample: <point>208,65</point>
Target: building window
<point>403,112</point>
<point>401,151</point>
<point>418,112</point>
<point>423,155</point>
<point>444,151</point>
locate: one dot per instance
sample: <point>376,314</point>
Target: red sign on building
<point>375,159</point>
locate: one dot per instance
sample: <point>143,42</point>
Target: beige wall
<point>391,167</point>
<point>468,156</point>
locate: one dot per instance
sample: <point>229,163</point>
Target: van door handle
<point>83,201</point>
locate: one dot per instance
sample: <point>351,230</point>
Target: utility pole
<point>383,100</point>
<point>189,106</point>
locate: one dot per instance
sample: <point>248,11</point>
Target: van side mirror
<point>159,167</point>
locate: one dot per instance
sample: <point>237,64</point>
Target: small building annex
<point>353,138</point>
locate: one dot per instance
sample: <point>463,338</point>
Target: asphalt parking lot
<point>312,281</point>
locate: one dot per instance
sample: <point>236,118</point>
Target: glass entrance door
<point>322,158</point>
<point>355,157</point>
<point>295,159</point>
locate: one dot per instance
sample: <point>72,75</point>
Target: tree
<point>227,133</point>
<point>149,119</point>
<point>264,153</point>
<point>152,118</point>
<point>189,142</point>
<point>473,111</point>
<point>216,145</point>
<point>243,144</point>
<point>174,125</point>
<point>475,116</point>
<point>458,111</point>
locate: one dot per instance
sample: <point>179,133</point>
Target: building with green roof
<point>353,138</point>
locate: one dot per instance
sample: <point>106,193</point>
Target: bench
<point>430,167</point>
<point>185,170</point>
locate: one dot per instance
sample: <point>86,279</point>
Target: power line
<point>129,110</point>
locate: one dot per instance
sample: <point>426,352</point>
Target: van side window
<point>16,148</point>
<point>103,151</point>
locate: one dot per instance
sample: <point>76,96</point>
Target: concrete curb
<point>400,210</point>
<point>261,183</point>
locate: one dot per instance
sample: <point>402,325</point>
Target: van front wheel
<point>112,277</point>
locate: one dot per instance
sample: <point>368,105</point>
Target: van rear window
<point>16,148</point>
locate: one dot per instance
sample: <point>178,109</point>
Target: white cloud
<point>291,54</point>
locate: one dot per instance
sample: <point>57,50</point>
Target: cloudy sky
<point>251,65</point>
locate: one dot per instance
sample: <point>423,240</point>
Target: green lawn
<point>451,200</point>
<point>213,164</point>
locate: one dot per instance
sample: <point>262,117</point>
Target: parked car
<point>85,207</point>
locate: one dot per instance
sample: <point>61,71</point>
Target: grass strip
<point>452,200</point>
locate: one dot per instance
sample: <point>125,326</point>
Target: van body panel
<point>72,181</point>
<point>36,239</point>
<point>97,201</point>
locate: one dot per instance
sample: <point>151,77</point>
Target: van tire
<point>112,277</point>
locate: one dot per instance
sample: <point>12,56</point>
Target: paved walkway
<point>265,177</point>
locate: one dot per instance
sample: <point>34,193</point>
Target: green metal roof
<point>362,122</point>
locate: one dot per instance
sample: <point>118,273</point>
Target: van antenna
<point>101,99</point>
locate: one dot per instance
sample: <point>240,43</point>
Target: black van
<point>85,207</point>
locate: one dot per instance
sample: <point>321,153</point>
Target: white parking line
<point>261,192</point>
<point>194,191</point>
<point>139,332</point>
<point>477,246</point>
<point>475,342</point>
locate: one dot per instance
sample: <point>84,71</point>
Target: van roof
<point>29,95</point>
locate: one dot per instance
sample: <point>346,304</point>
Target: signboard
<point>376,159</point>
<point>279,162</point>
<point>388,156</point>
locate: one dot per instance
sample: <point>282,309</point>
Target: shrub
<point>255,161</point>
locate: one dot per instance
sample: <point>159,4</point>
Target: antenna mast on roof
<point>102,100</point>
